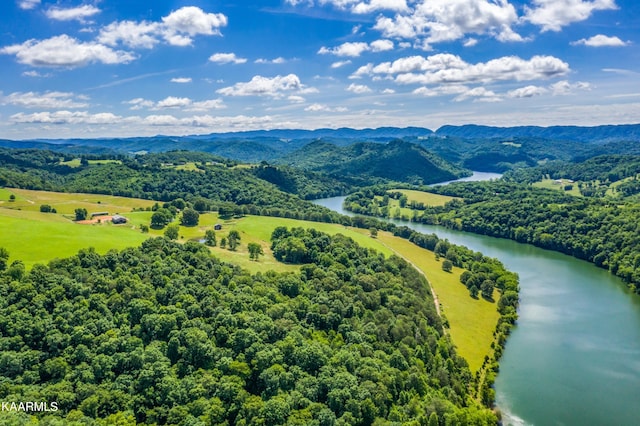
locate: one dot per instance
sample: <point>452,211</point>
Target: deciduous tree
<point>255,250</point>
<point>81,213</point>
<point>172,232</point>
<point>190,217</point>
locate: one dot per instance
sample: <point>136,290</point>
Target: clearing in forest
<point>427,198</point>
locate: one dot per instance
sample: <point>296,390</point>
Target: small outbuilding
<point>217,227</point>
<point>117,219</point>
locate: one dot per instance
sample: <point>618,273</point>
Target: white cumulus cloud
<point>452,89</point>
<point>28,4</point>
<point>446,20</point>
<point>131,34</point>
<point>181,80</point>
<point>206,105</point>
<point>358,88</point>
<point>478,94</point>
<point>451,69</point>
<point>527,92</point>
<point>47,100</point>
<point>174,102</point>
<point>600,41</point>
<point>226,58</point>
<point>378,5</point>
<point>325,108</point>
<point>278,60</point>
<point>340,64</point>
<point>33,73</point>
<point>357,6</point>
<point>355,49</point>
<point>177,29</point>
<point>381,45</point>
<point>566,88</point>
<point>552,15</point>
<point>194,21</point>
<point>274,87</point>
<point>346,49</point>
<point>79,13</point>
<point>66,117</point>
<point>65,51</point>
<point>139,103</point>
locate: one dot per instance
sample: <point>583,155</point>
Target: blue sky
<point>102,68</point>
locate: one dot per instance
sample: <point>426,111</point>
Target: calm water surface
<point>574,358</point>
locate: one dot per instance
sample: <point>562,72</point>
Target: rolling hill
<point>395,161</point>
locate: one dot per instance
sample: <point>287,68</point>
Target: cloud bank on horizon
<point>104,68</point>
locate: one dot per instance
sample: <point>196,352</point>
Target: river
<point>574,357</point>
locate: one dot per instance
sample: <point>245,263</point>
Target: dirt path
<point>433,291</point>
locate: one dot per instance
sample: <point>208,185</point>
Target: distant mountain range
<point>602,134</point>
<point>482,148</point>
<point>596,134</point>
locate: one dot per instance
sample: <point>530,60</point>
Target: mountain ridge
<point>601,133</point>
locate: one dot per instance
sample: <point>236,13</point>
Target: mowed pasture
<point>427,198</point>
<point>559,185</point>
<point>471,321</point>
<point>76,162</point>
<point>406,213</point>
<point>258,229</point>
<point>35,237</point>
<point>66,203</point>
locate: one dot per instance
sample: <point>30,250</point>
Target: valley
<point>257,218</point>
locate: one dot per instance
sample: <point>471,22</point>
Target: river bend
<point>574,357</point>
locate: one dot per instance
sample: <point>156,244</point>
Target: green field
<point>552,184</point>
<point>471,321</point>
<point>191,167</point>
<point>66,203</point>
<point>427,198</point>
<point>76,162</point>
<point>406,213</point>
<point>611,190</point>
<point>35,237</point>
<point>259,229</point>
<point>47,236</point>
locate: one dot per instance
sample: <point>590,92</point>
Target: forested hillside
<point>367,163</point>
<point>605,169</point>
<point>159,177</point>
<point>167,334</point>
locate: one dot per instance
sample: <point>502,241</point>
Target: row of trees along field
<point>600,230</point>
<point>167,334</point>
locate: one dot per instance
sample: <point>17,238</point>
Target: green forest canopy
<point>165,334</point>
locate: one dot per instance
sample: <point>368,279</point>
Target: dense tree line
<point>603,168</point>
<point>167,334</point>
<point>602,231</point>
